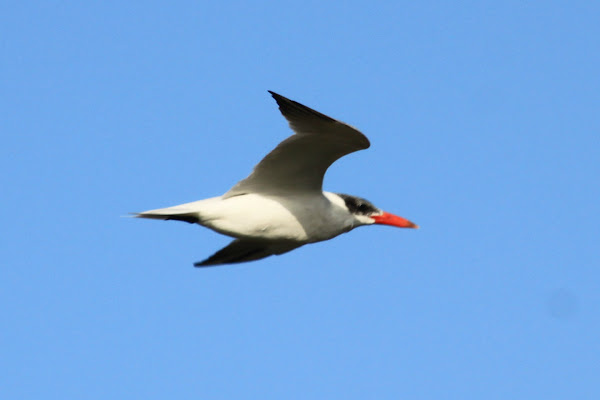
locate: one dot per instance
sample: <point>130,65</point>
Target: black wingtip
<point>201,264</point>
<point>277,96</point>
<point>290,108</point>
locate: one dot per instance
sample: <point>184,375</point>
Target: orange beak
<point>393,220</point>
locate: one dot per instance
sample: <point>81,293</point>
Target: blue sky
<point>483,119</point>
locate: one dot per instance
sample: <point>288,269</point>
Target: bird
<point>281,205</point>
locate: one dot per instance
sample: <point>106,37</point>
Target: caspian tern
<point>281,206</point>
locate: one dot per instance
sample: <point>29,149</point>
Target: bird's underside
<point>239,250</point>
<point>261,225</point>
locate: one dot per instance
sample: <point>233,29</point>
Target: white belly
<point>304,220</point>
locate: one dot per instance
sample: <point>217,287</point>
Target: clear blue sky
<point>484,123</point>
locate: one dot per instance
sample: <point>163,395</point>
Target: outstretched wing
<point>299,163</point>
<point>241,250</point>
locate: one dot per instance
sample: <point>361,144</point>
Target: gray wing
<point>299,163</point>
<point>240,251</point>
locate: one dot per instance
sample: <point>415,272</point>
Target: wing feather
<point>244,250</point>
<point>299,162</point>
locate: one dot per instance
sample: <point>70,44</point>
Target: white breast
<point>301,219</point>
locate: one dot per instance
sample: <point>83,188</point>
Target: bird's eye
<point>362,208</point>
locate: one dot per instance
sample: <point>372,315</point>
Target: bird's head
<point>365,213</point>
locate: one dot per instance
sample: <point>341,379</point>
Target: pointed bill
<point>390,219</point>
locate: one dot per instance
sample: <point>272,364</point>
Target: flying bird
<point>281,206</point>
